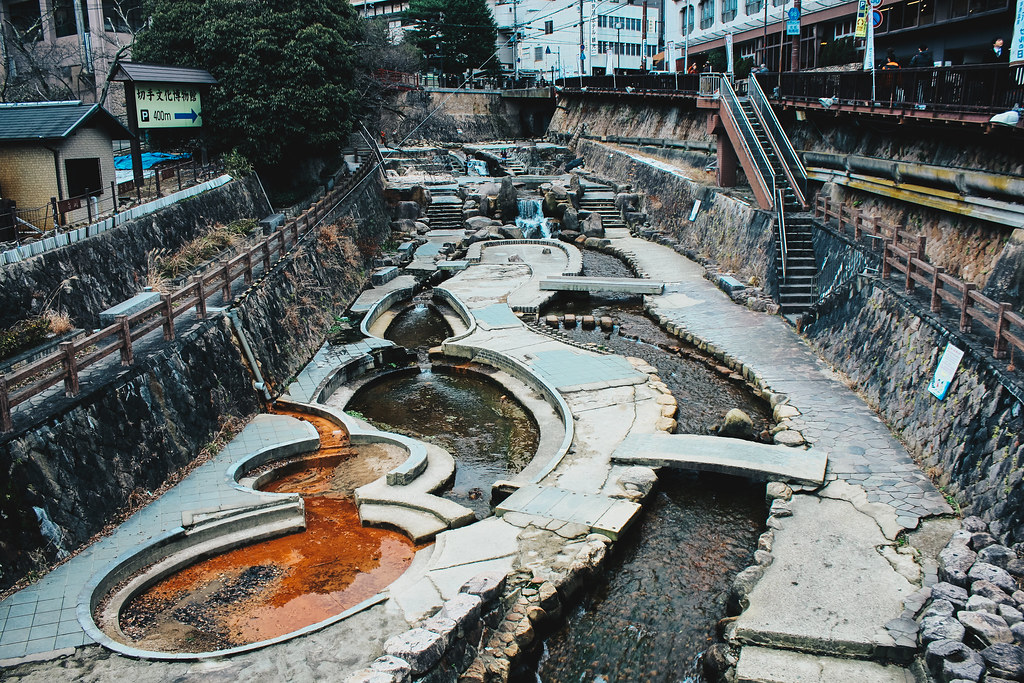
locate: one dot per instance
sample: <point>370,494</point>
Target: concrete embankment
<point>77,461</point>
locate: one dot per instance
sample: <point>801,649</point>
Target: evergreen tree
<point>286,72</point>
<point>455,35</point>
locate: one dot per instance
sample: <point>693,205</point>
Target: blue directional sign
<point>793,13</point>
<point>792,27</point>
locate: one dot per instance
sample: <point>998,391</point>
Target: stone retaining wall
<point>110,267</point>
<point>970,442</point>
<point>736,235</point>
<point>81,460</point>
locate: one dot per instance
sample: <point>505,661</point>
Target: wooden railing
<point>66,364</point>
<point>903,252</point>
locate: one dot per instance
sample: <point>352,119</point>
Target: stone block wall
<point>89,276</point>
<point>27,175</point>
<point>736,235</point>
<point>970,443</point>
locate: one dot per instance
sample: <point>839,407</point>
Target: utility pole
<point>643,39</point>
<point>582,45</point>
<point>515,39</point>
<point>795,51</point>
<point>84,39</point>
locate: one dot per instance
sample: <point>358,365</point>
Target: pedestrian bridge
<point>723,455</point>
<point>619,285</point>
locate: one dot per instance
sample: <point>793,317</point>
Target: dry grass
<point>198,251</point>
<point>59,321</point>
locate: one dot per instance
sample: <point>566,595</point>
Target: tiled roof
<point>53,120</point>
<point>157,73</point>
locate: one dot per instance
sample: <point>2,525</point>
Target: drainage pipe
<point>259,384</point>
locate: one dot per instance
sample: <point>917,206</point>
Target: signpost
<point>159,105</point>
<point>861,28</point>
<point>793,22</point>
<point>947,367</point>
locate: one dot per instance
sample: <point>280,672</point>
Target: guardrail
<point>73,357</point>
<point>904,252</point>
<point>748,139</point>
<point>791,164</point>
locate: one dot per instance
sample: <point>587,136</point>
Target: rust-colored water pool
<point>276,587</point>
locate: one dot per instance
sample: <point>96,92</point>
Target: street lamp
<point>618,50</point>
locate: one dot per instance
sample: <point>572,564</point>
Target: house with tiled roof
<point>57,150</point>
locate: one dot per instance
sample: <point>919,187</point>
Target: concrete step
<point>420,527</point>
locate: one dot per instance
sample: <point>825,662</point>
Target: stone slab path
<point>600,514</point>
<point>626,285</point>
<point>726,456</point>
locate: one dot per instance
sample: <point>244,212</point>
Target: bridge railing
<point>903,252</point>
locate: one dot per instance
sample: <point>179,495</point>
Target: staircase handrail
<point>782,231</point>
<point>748,138</point>
<point>792,166</point>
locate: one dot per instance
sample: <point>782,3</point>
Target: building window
<point>83,176</point>
<point>728,10</point>
<point>549,27</point>
<point>26,20</point>
<point>686,19</point>
<point>754,7</point>
<point>538,54</point>
<point>707,14</point>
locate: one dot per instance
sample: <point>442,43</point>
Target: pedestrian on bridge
<point>923,58</point>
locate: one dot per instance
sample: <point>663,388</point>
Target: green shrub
<point>23,335</point>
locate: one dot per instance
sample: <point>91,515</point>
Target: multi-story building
<point>543,37</point>
<point>388,10</point>
<point>62,49</point>
<point>957,31</point>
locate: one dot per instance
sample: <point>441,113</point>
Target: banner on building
<point>861,30</point>
<point>1017,44</point>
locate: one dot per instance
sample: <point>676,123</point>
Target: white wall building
<point>548,41</point>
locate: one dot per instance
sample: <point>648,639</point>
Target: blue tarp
<point>149,159</point>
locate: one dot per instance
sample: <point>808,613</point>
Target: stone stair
<point>445,211</point>
<point>796,288</point>
<point>603,203</point>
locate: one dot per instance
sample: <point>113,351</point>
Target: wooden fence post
<point>56,215</point>
<point>886,266</point>
<point>965,319</point>
<point>908,286</point>
<point>71,386</point>
<point>226,287</point>
<point>113,199</point>
<point>125,332</point>
<point>936,305</point>
<point>817,206</point>
<point>168,314</point>
<point>247,275</point>
<point>156,177</point>
<point>999,348</point>
<point>5,406</point>
<point>266,256</point>
<point>857,227</point>
<point>200,297</point>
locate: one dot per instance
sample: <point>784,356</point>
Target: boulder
<point>997,554</point>
<point>939,608</point>
<point>788,437</point>
<point>1018,632</point>
<point>939,652</point>
<point>947,591</point>
<point>984,629</point>
<point>1015,567</point>
<point>955,561</point>
<point>778,490</point>
<point>593,226</point>
<point>738,425</point>
<point>421,648</point>
<point>717,660</point>
<point>638,479</point>
<point>981,539</point>
<point>982,571</point>
<point>1011,614</point>
<point>978,603</point>
<point>941,628</point>
<point>741,587</point>
<point>508,200</point>
<point>973,524</point>
<point>464,609</point>
<point>407,210</point>
<point>399,668</point>
<point>554,207</point>
<point>478,223</point>
<point>511,232</point>
<point>1005,660</point>
<point>991,591</point>
<point>570,219</point>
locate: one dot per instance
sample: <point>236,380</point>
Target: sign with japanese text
<point>1017,43</point>
<point>943,377</point>
<point>861,28</point>
<point>165,105</point>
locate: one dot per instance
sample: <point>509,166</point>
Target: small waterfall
<point>476,167</point>
<point>51,532</point>
<point>531,220</point>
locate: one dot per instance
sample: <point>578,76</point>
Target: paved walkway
<point>43,617</point>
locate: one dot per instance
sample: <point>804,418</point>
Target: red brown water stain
<point>301,579</point>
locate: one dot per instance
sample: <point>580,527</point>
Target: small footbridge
<point>725,456</point>
<point>618,285</point>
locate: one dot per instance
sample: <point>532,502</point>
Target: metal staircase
<point>779,181</point>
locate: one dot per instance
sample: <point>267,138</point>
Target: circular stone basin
<point>474,418</point>
<point>267,590</point>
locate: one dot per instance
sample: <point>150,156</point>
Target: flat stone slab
<point>761,665</point>
<point>723,455</point>
<point>602,515</point>
<point>622,285</point>
<point>828,591</point>
<point>137,303</point>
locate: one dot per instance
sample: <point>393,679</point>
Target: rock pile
<point>973,627</point>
